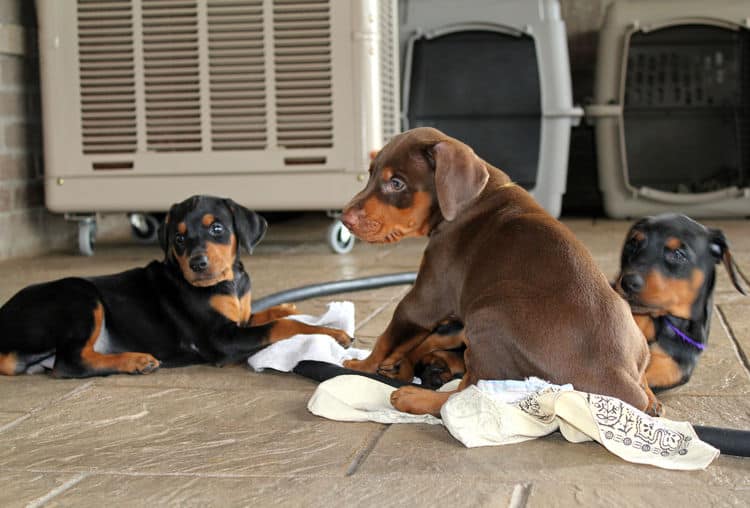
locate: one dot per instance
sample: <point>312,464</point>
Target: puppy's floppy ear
<point>720,250</point>
<point>163,233</point>
<point>248,225</point>
<point>459,176</point>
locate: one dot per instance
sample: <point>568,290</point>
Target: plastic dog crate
<point>495,74</point>
<point>672,110</point>
<point>276,103</point>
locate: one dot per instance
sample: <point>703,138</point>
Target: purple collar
<point>682,335</point>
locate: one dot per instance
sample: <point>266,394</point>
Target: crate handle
<point>603,110</point>
<point>698,197</point>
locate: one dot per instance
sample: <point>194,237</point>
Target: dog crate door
<point>482,87</point>
<point>687,109</point>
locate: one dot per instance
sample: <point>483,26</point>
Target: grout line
<point>733,339</point>
<point>362,455</point>
<point>15,422</point>
<point>40,501</point>
<point>520,496</point>
<point>380,309</point>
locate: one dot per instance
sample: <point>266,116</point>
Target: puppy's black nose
<point>198,263</point>
<point>632,283</point>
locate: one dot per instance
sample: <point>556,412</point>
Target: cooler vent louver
<point>171,75</point>
<point>388,70</point>
<point>303,85</point>
<point>237,75</point>
<point>108,112</point>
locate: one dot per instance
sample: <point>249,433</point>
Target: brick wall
<point>25,226</point>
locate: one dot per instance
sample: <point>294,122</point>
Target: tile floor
<point>203,436</point>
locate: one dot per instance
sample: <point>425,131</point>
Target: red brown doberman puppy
<point>531,298</point>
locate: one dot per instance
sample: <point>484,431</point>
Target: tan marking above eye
<point>673,243</point>
<point>386,174</point>
<point>182,228</point>
<point>208,219</point>
<point>638,236</point>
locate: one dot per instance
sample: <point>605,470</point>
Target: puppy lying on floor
<point>192,307</point>
<point>667,275</point>
<point>530,296</point>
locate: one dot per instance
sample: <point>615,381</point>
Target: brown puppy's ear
<point>720,250</point>
<point>459,176</point>
<point>248,225</point>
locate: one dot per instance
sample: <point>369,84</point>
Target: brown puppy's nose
<point>350,218</point>
<point>632,283</point>
<point>198,263</point>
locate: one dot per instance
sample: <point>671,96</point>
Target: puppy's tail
<point>728,441</point>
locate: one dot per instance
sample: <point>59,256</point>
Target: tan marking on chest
<point>234,309</point>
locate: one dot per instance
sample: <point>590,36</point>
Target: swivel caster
<point>339,238</point>
<point>86,235</point>
<point>144,227</point>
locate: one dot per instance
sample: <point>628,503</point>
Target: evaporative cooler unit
<point>275,103</point>
<point>672,110</point>
<point>494,74</point>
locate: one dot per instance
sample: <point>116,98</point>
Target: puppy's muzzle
<point>198,263</point>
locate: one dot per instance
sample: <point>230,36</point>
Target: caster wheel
<point>86,236</point>
<point>340,239</point>
<point>144,227</point>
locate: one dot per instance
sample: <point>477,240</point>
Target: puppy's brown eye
<point>396,184</point>
<point>179,239</point>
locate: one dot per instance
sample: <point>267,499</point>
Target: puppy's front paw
<point>139,363</point>
<point>340,336</point>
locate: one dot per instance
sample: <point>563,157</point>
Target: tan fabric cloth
<point>486,417</point>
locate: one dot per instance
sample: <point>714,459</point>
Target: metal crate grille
<point>388,84</point>
<point>105,42</point>
<point>237,75</point>
<point>171,75</point>
<point>302,59</point>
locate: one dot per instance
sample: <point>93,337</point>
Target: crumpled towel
<point>286,354</point>
<point>505,412</point>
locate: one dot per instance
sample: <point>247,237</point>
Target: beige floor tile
<point>383,492</point>
<point>169,430</point>
<point>31,392</point>
<point>232,377</point>
<point>636,496</point>
<point>20,488</point>
<point>427,448</point>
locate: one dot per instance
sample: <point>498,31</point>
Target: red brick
<point>15,167</point>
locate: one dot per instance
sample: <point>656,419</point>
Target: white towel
<point>286,354</point>
<point>504,412</point>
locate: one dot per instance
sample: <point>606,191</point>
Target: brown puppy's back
<point>538,305</point>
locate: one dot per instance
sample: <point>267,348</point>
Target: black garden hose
<point>729,441</point>
<point>334,287</point>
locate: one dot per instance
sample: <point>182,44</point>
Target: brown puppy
<point>531,298</point>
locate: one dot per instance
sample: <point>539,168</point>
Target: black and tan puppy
<point>667,275</point>
<point>192,307</point>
